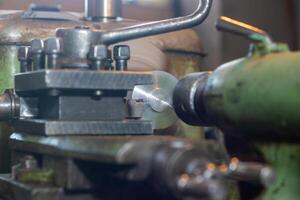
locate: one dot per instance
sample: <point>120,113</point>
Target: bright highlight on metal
<point>242,24</point>
<point>158,100</point>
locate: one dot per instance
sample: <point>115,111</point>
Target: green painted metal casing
<point>257,94</point>
<point>285,159</point>
<point>8,67</point>
<point>259,97</point>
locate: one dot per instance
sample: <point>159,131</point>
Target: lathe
<point>87,126</point>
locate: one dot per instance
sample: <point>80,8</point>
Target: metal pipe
<point>102,9</point>
<point>159,27</point>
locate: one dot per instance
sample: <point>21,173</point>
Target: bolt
<point>98,55</point>
<point>52,45</point>
<point>52,50</point>
<point>23,53</point>
<point>24,58</point>
<point>121,56</point>
<point>98,52</point>
<point>122,52</point>
<point>37,48</point>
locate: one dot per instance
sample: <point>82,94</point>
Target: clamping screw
<point>121,56</point>
<point>24,58</point>
<point>98,56</point>
<point>52,50</point>
<point>37,48</point>
<point>52,45</point>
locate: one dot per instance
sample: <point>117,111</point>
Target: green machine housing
<point>256,97</point>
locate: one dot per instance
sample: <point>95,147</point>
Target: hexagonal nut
<point>53,45</point>
<point>98,52</point>
<point>24,53</point>
<point>121,52</point>
<point>37,46</point>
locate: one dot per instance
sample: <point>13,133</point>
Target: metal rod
<point>159,27</point>
<point>233,26</point>
<point>101,9</point>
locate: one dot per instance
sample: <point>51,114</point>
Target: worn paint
<point>8,67</point>
<point>258,96</point>
<point>40,177</point>
<point>261,91</point>
<point>285,159</point>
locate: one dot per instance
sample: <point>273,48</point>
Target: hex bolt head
<point>24,53</point>
<point>53,46</point>
<point>121,52</point>
<point>37,46</point>
<point>98,52</point>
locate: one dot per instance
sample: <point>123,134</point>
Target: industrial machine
<point>255,98</point>
<point>161,52</point>
<point>88,126</point>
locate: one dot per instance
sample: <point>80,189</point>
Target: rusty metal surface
<point>15,30</point>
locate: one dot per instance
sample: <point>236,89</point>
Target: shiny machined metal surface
<point>158,100</point>
<point>102,9</point>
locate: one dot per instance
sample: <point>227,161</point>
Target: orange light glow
<point>223,168</point>
<point>184,177</point>
<point>211,166</point>
<point>238,23</point>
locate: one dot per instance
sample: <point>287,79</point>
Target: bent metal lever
<point>159,27</point>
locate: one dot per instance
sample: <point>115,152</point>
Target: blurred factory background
<point>280,18</point>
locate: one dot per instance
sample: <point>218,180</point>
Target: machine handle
<point>158,27</point>
<point>229,25</point>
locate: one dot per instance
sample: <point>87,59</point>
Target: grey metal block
<point>48,128</point>
<point>80,79</point>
